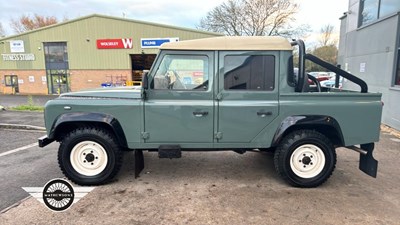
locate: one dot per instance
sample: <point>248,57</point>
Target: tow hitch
<point>367,162</point>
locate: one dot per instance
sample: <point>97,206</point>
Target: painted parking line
<point>19,149</point>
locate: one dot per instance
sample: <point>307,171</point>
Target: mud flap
<point>367,162</point>
<point>139,162</point>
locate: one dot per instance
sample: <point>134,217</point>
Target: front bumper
<point>43,141</point>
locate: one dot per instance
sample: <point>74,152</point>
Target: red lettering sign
<point>114,43</point>
<point>197,74</point>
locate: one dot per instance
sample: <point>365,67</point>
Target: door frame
<point>182,98</point>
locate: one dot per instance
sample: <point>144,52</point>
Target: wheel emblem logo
<point>58,195</point>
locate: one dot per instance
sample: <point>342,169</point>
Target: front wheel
<point>305,158</point>
<point>90,156</point>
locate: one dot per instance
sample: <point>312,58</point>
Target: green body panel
<point>358,115</point>
<point>166,116</point>
<point>125,106</point>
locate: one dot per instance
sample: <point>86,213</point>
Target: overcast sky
<point>184,13</point>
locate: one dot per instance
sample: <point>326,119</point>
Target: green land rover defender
<point>212,94</point>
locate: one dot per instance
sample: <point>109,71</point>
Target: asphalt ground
<point>21,118</point>
<point>15,100</point>
<point>210,188</point>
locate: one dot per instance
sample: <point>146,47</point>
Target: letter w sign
<point>122,43</point>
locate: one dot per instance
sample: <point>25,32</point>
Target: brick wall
<point>26,85</point>
<point>85,79</point>
<point>79,80</point>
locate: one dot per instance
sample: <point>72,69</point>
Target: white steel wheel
<point>88,158</point>
<point>305,158</point>
<point>307,161</point>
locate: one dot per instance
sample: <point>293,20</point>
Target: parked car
<point>331,82</point>
<point>321,76</point>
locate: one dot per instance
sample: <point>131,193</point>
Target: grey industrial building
<point>370,48</point>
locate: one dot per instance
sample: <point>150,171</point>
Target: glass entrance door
<point>59,83</point>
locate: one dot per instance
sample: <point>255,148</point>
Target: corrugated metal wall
<point>81,35</point>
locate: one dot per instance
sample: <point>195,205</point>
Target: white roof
<point>231,43</point>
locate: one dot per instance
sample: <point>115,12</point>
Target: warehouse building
<point>87,52</point>
<point>370,48</point>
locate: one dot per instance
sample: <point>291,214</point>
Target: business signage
<point>156,42</point>
<point>122,43</point>
<point>17,46</point>
<point>18,57</point>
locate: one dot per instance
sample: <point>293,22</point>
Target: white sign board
<point>31,79</point>
<point>20,81</point>
<point>362,67</point>
<point>18,57</point>
<point>17,46</point>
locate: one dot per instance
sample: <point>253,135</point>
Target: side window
<point>249,72</point>
<point>182,72</point>
<point>10,80</point>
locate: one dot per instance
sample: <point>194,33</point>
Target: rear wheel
<point>90,156</point>
<point>305,158</point>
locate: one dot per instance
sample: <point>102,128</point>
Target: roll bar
<point>302,78</point>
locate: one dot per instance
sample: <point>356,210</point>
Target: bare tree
<point>26,23</point>
<point>327,37</point>
<point>252,18</point>
<point>2,31</point>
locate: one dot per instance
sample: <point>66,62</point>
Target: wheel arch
<point>70,121</point>
<point>325,125</point>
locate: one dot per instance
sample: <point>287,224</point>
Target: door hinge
<point>219,97</point>
<point>145,135</point>
<point>218,135</point>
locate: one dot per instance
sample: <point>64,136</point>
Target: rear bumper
<point>43,141</point>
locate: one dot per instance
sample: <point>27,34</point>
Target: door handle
<point>264,114</point>
<point>200,114</point>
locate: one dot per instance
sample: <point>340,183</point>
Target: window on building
<point>369,11</point>
<point>397,78</point>
<point>10,80</point>
<point>56,52</point>
<point>388,7</point>
<point>372,10</point>
<point>182,72</point>
<point>249,72</point>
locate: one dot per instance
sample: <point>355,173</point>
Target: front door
<point>14,84</point>
<point>179,106</point>
<point>247,94</point>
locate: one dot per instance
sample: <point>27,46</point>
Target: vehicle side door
<point>247,94</point>
<point>179,106</point>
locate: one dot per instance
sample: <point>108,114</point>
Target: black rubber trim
<point>310,120</point>
<point>79,117</point>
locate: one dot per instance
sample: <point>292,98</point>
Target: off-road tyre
<point>80,149</point>
<point>305,158</point>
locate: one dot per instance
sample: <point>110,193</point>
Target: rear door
<point>247,94</point>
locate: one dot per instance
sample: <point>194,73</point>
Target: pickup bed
<point>224,93</point>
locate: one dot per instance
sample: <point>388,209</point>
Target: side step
<point>169,151</point>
